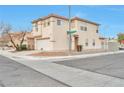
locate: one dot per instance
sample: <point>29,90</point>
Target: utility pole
<point>69,14</point>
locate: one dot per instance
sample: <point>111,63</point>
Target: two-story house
<point>49,33</point>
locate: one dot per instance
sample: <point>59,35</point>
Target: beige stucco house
<point>49,33</point>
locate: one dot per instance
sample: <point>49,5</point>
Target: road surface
<point>111,65</point>
<point>13,74</point>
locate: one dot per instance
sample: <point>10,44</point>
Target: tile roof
<point>50,15</point>
<point>64,18</point>
<point>84,20</point>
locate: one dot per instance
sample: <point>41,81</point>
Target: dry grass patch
<point>50,54</point>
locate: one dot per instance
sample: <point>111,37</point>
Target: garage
<point>42,44</point>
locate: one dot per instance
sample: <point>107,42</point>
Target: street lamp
<point>69,15</point>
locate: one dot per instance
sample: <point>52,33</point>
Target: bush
<point>23,47</point>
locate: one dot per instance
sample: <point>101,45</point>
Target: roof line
<point>62,17</point>
<point>84,20</point>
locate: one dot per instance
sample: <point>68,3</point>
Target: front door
<point>76,38</point>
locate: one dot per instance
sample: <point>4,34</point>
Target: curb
<point>70,57</point>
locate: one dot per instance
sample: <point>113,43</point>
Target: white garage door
<point>43,45</point>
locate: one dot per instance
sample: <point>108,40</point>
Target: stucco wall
<point>39,26</point>
<point>45,31</point>
<point>60,35</point>
<point>89,35</point>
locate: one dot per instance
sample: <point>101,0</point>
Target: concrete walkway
<point>14,74</point>
<point>74,77</point>
<point>57,58</point>
<point>69,75</point>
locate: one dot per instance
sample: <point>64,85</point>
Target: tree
<point>6,32</point>
<point>120,37</point>
<point>3,40</point>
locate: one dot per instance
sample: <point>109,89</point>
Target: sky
<point>110,18</point>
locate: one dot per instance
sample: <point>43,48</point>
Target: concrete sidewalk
<point>72,76</point>
<point>58,58</point>
<point>69,75</point>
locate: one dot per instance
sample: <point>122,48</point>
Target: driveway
<point>111,65</point>
<point>13,74</point>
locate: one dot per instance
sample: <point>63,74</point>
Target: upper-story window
<point>59,22</point>
<point>72,25</point>
<point>97,31</point>
<point>36,27</point>
<point>83,28</point>
<point>48,23</point>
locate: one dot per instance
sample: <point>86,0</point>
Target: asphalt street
<point>13,74</point>
<point>111,65</point>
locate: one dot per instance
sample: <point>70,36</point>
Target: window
<point>93,42</point>
<point>83,28</point>
<point>58,22</point>
<point>86,42</point>
<point>48,23</point>
<point>97,31</point>
<point>72,25</point>
<point>36,27</point>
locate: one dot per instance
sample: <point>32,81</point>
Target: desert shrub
<point>23,47</point>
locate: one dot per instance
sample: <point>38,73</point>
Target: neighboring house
<point>4,42</point>
<point>16,36</point>
<point>121,41</point>
<point>50,34</point>
<point>104,43</point>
